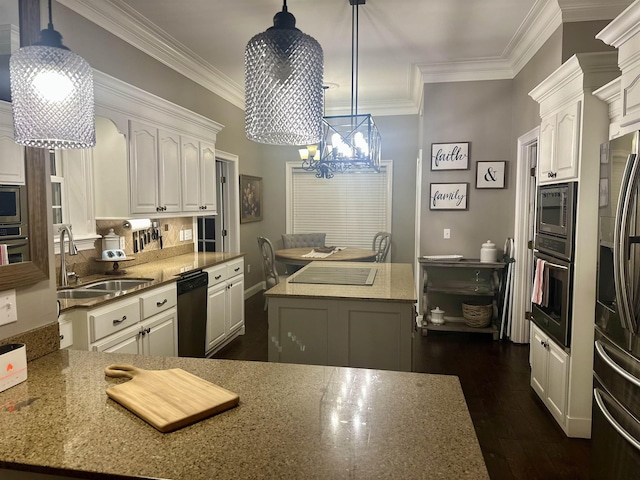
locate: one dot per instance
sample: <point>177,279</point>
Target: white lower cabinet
<point>225,304</point>
<point>144,324</point>
<point>549,373</point>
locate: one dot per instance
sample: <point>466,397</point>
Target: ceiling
<point>403,44</point>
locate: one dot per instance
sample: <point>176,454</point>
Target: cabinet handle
<point>61,337</point>
<point>204,207</point>
<point>116,322</point>
<point>552,174</point>
<point>218,277</point>
<point>237,269</point>
<point>158,209</point>
<point>159,304</point>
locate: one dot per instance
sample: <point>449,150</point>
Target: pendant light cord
<point>354,58</point>
<point>50,26</point>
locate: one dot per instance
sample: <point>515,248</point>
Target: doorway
<point>526,184</point>
<point>221,232</point>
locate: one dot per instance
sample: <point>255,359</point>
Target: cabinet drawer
<point>217,274</point>
<point>158,300</point>
<point>113,318</point>
<point>235,267</point>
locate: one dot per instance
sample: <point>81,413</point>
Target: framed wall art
<point>490,174</point>
<point>250,199</point>
<point>450,156</point>
<point>448,196</point>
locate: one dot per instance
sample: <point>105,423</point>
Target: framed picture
<point>450,156</point>
<point>448,196</point>
<point>490,174</point>
<point>250,199</point>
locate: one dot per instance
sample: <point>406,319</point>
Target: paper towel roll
<point>136,224</point>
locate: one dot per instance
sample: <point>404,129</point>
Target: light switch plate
<point>188,234</point>
<point>8,310</point>
<point>182,235</point>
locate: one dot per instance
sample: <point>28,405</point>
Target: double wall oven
<point>14,229</point>
<point>554,247</point>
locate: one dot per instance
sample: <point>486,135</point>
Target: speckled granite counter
<point>293,421</point>
<point>159,271</point>
<point>393,282</point>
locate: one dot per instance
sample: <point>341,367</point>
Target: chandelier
<point>52,94</point>
<point>283,85</point>
<point>348,141</point>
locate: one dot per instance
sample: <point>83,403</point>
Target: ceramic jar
<point>110,241</point>
<point>437,316</point>
<point>488,252</point>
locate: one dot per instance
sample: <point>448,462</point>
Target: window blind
<point>350,208</point>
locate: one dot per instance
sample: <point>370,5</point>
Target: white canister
<point>437,316</point>
<point>488,252</point>
<point>110,241</point>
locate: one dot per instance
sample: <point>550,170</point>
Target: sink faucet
<point>62,230</point>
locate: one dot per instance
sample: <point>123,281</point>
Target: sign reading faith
<point>450,156</point>
<point>448,196</point>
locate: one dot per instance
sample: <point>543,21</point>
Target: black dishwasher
<point>192,314</point>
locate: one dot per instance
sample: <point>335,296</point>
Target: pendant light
<point>283,85</point>
<point>52,94</point>
<point>348,141</point>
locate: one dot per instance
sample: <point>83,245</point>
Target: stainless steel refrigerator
<point>615,435</point>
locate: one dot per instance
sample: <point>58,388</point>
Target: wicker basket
<point>477,315</point>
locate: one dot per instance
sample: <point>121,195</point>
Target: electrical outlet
<point>8,311</point>
<point>121,243</point>
<point>248,268</point>
<point>182,235</point>
<point>166,227</point>
<point>447,233</point>
<point>188,234</point>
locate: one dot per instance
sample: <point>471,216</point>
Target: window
<point>350,208</point>
<point>57,188</point>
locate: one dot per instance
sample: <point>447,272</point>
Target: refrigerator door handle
<point>620,242</point>
<point>612,421</point>
<point>617,368</point>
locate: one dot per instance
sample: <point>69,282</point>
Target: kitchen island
<point>293,421</point>
<point>351,314</point>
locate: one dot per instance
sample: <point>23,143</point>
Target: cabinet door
<point>546,149</point>
<point>235,294</point>
<point>216,315</point>
<point>539,360</point>
<point>557,375</point>
<point>190,175</point>
<point>129,342</point>
<point>143,167</point>
<point>208,178</point>
<point>160,335</point>
<point>567,142</point>
<point>11,157</point>
<point>169,187</point>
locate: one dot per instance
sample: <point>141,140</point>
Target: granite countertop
<point>159,271</point>
<point>393,282</point>
<point>293,421</point>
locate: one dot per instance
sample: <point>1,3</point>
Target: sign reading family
<point>448,196</point>
<point>450,156</point>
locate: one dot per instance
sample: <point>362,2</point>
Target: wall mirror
<point>37,269</point>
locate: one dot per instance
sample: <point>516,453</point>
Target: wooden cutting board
<point>168,399</point>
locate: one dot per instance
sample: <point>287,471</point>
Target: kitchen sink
<point>75,293</point>
<point>118,285</point>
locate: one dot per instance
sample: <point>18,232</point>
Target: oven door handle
<point>621,242</point>
<point>547,262</point>
<point>612,421</point>
<point>14,245</point>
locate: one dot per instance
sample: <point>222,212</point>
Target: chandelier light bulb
<point>53,86</point>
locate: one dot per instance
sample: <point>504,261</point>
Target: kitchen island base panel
<point>341,332</point>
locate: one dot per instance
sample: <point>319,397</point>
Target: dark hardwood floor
<point>518,437</point>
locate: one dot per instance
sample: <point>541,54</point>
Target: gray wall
<point>480,113</point>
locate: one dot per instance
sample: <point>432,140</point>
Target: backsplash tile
<point>85,264</point>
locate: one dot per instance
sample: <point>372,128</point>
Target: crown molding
<point>622,28</point>
<point>584,11</point>
<point>124,22</point>
<point>467,71</point>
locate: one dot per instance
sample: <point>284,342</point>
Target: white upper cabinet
<point>564,97</point>
<point>623,96</point>
<point>11,154</point>
<point>158,160</point>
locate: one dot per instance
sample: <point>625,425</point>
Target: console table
<point>441,281</point>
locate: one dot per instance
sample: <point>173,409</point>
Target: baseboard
<point>258,287</point>
<point>578,427</point>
